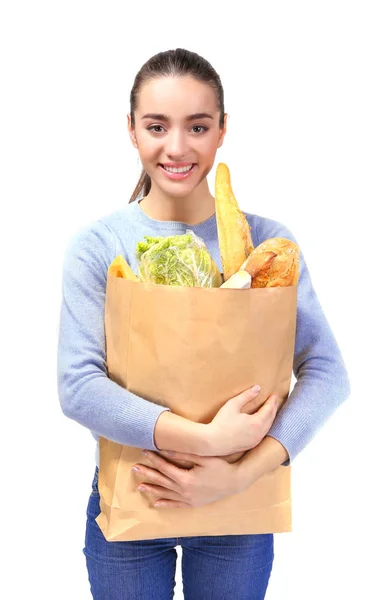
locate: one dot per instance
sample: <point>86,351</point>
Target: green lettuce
<point>177,260</point>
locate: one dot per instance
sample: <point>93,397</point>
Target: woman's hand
<point>232,430</point>
<point>209,480</point>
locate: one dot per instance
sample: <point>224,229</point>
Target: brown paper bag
<point>192,349</point>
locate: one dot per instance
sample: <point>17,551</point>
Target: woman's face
<point>177,132</point>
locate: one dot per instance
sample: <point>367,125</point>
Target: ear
<point>223,131</point>
<point>132,133</point>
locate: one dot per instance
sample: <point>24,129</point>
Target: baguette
<point>234,232</point>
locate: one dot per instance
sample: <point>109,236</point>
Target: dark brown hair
<point>173,63</point>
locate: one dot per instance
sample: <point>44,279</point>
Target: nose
<point>176,144</point>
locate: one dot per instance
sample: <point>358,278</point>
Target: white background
<point>305,89</point>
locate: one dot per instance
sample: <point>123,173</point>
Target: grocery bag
<point>192,349</point>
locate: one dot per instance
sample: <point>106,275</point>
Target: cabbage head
<point>177,260</point>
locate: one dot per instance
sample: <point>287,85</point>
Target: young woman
<point>177,122</point>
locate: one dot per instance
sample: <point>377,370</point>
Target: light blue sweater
<point>89,397</point>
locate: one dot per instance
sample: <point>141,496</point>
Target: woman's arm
<point>259,461</point>
<point>230,431</point>
<point>91,398</point>
<point>322,379</point>
<point>210,479</point>
<point>176,433</point>
<point>86,393</point>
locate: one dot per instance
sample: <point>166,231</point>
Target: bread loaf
<point>234,236</point>
<point>274,263</point>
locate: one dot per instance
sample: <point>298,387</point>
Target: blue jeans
<point>226,567</point>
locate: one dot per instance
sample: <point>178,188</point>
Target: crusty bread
<point>235,243</point>
<point>258,262</point>
<point>267,270</point>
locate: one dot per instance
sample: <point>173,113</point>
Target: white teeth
<point>178,170</point>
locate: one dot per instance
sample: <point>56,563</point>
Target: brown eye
<point>154,128</point>
<point>203,128</point>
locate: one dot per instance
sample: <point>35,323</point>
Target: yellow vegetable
<point>120,268</point>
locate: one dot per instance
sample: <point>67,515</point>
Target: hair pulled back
<point>173,63</point>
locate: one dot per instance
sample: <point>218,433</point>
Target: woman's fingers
<point>154,476</point>
<point>170,471</point>
<point>185,456</point>
<point>267,413</point>
<point>160,492</point>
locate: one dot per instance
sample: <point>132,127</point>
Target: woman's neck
<point>192,209</point>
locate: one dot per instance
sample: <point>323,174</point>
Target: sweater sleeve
<point>86,393</point>
<point>322,381</point>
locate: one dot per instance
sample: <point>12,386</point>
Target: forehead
<point>176,96</point>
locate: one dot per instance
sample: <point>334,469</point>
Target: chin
<point>177,189</point>
<point>175,193</point>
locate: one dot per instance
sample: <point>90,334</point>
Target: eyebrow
<point>161,117</point>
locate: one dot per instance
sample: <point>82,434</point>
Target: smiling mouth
<point>181,170</point>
